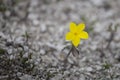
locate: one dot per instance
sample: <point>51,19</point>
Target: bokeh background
<point>32,39</point>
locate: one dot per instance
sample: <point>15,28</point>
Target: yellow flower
<point>76,33</point>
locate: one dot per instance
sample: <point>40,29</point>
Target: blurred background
<point>32,39</point>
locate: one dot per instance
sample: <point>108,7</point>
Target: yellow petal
<point>83,35</point>
<point>80,27</point>
<point>76,41</point>
<point>73,27</point>
<point>69,36</point>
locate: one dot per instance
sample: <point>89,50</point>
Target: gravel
<point>37,29</point>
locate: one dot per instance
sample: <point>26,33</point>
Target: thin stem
<point>68,53</point>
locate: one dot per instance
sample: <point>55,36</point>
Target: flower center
<point>75,33</point>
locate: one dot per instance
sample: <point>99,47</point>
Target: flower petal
<point>73,27</point>
<point>83,35</point>
<point>81,27</point>
<point>76,41</point>
<point>69,36</point>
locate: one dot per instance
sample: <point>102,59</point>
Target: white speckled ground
<point>47,22</point>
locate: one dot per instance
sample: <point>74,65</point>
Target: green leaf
<point>107,65</point>
<point>2,51</point>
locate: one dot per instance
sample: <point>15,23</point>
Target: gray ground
<point>32,36</point>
